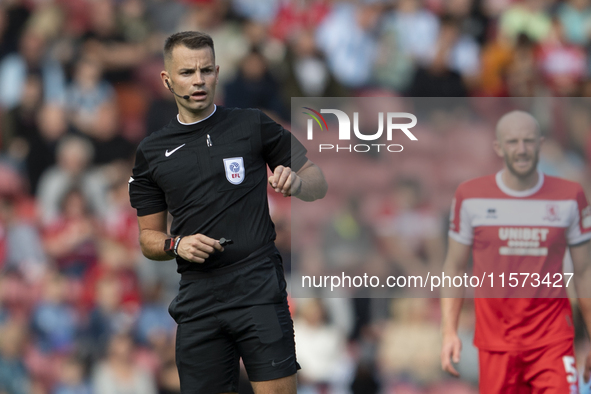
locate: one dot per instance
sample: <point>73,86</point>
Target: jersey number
<point>571,370</point>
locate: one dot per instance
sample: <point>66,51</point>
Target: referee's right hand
<point>196,248</point>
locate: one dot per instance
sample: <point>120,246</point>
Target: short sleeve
<point>579,229</point>
<point>280,147</point>
<point>144,193</point>
<point>460,225</point>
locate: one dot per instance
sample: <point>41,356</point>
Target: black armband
<point>176,245</point>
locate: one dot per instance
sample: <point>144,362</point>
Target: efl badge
<point>234,170</point>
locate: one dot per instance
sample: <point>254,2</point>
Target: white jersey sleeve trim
<point>579,240</point>
<point>461,239</point>
<point>574,235</point>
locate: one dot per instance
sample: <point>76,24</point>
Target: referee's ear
<point>165,77</point>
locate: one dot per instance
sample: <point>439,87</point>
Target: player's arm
<point>581,256</point>
<point>451,305</point>
<point>195,248</point>
<point>307,184</point>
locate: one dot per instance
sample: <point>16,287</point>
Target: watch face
<point>168,245</point>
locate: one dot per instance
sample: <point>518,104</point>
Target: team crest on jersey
<point>552,213</point>
<point>235,172</point>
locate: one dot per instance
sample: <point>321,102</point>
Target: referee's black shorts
<point>231,313</point>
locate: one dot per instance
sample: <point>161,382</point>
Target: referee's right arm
<point>152,213</point>
<point>153,235</point>
<point>195,248</point>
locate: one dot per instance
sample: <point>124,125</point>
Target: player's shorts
<point>231,313</point>
<point>549,369</point>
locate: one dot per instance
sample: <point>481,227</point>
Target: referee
<point>208,169</point>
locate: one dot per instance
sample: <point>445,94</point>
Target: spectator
<point>120,222</point>
<point>348,38</point>
<point>415,30</point>
<point>13,16</point>
<point>496,57</point>
<point>320,348</point>
<point>441,77</point>
<point>259,10</point>
<point>14,378</point>
<point>154,324</point>
<point>575,19</point>
<point>522,78</point>
<point>22,250</point>
<point>110,147</point>
<point>118,373</point>
<point>307,72</point>
<point>464,55</point>
<point>71,238</point>
<point>42,140</point>
<point>74,156</point>
<point>106,41</point>
<point>348,238</point>
<point>117,262</point>
<point>527,17</point>
<point>71,378</point>
<point>31,58</point>
<point>54,322</point>
<point>230,36</point>
<point>107,318</point>
<point>19,122</point>
<point>409,348</point>
<point>295,18</point>
<point>410,233</point>
<point>87,93</point>
<point>562,65</point>
<point>255,87</point>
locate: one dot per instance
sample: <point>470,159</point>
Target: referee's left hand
<point>282,179</point>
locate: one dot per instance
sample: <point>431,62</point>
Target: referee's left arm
<point>307,184</point>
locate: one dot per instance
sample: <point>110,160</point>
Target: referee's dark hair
<point>190,39</point>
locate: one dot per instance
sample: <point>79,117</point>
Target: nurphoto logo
<point>392,120</point>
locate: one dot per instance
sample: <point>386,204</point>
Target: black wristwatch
<point>169,246</point>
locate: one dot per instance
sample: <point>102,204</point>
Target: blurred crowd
<point>81,311</point>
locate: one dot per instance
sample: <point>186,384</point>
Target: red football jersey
<point>520,232</point>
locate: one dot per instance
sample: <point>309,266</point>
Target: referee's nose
<point>198,79</point>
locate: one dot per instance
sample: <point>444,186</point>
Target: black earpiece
<point>186,96</point>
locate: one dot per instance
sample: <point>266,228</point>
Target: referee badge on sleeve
<point>234,167</point>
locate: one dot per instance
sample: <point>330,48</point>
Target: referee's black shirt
<point>212,178</point>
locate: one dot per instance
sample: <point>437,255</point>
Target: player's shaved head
<point>517,120</point>
<point>518,142</point>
